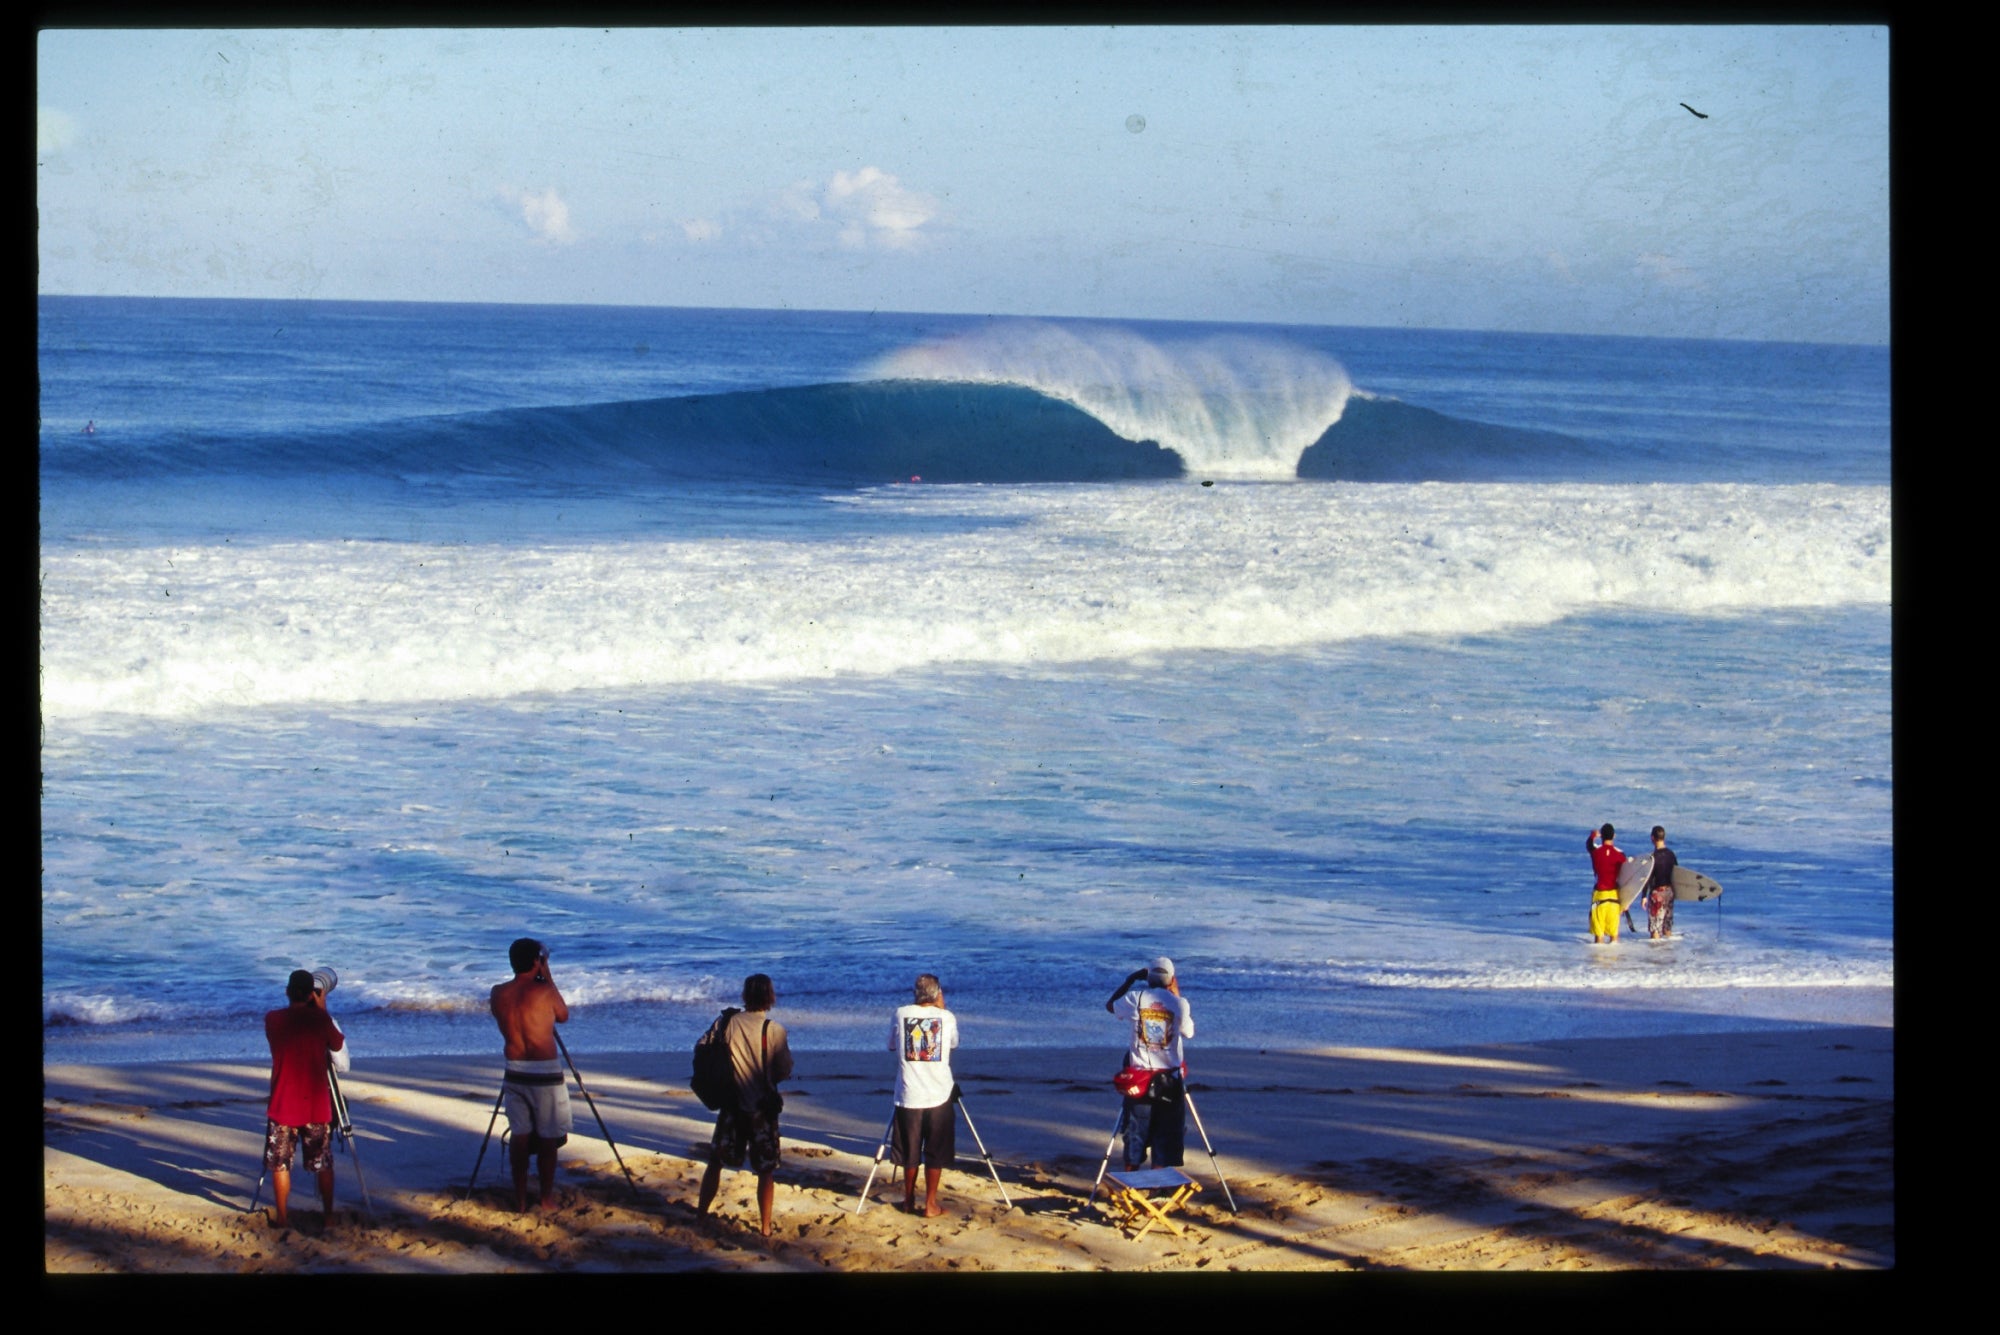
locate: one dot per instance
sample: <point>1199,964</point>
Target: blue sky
<point>1528,178</point>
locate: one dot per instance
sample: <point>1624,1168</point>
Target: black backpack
<point>714,1077</point>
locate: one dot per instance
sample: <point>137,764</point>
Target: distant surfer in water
<point>90,427</point>
<point>1660,888</point>
<point>1605,860</point>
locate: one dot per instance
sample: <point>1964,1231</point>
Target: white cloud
<point>1665,270</point>
<point>872,206</point>
<point>547,216</point>
<point>701,229</point>
<point>54,130</point>
<point>1559,266</point>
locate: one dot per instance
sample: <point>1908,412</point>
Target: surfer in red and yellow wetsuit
<point>1605,860</point>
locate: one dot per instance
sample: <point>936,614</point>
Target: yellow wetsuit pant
<point>1604,913</point>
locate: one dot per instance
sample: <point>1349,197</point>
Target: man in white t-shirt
<point>922,1037</point>
<point>1160,1018</point>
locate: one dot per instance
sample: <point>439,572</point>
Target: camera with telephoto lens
<point>325,979</point>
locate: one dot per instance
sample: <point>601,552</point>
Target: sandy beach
<point>1763,1151</point>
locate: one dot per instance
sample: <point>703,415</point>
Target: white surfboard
<point>1632,878</point>
<point>1692,885</point>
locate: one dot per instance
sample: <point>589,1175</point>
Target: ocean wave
<point>851,434</point>
<point>1037,406</point>
<point>416,997</point>
<point>1228,406</point>
<point>72,1009</point>
<point>1385,440</point>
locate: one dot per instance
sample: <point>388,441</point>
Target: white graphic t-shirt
<point>1160,1020</point>
<point>922,1038</point>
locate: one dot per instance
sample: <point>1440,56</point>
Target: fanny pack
<point>1134,1081</point>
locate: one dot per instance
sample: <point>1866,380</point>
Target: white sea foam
<point>994,575</point>
<point>78,1007</point>
<point>1232,406</point>
<point>1641,964</point>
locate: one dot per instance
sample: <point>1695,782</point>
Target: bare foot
<point>279,1222</point>
<point>933,1211</point>
<point>550,1203</point>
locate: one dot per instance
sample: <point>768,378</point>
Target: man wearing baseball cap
<point>1155,1069</point>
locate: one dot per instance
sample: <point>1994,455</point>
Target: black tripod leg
<point>629,1181</point>
<point>502,1098</point>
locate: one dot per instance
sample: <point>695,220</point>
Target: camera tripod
<point>889,1132</point>
<point>507,1136</point>
<point>1125,1111</point>
<point>343,1127</point>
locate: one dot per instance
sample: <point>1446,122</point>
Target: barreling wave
<point>853,434</point>
<point>873,432</point>
<point>1228,407</point>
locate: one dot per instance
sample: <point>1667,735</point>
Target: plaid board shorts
<point>740,1134</point>
<point>280,1141</point>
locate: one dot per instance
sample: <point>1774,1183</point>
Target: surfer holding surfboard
<point>1606,903</point>
<point>1660,888</point>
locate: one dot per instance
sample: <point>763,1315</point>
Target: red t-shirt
<point>302,1040</point>
<point>1605,860</point>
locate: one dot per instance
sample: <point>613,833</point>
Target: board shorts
<point>739,1135</point>
<point>1660,911</point>
<point>1604,913</point>
<point>315,1138</point>
<point>926,1135</point>
<point>537,1100</point>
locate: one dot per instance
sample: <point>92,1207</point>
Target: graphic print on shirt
<point>1156,1027</point>
<point>923,1039</point>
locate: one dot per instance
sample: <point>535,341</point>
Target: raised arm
<point>1137,975</point>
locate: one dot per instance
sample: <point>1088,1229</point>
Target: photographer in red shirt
<point>303,1039</point>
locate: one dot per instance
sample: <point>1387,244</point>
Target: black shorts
<point>929,1134</point>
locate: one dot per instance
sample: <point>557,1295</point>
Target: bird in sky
<point>1691,111</point>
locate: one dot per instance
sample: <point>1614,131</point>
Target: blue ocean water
<point>845,646</point>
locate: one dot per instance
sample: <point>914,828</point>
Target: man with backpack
<point>760,1059</point>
